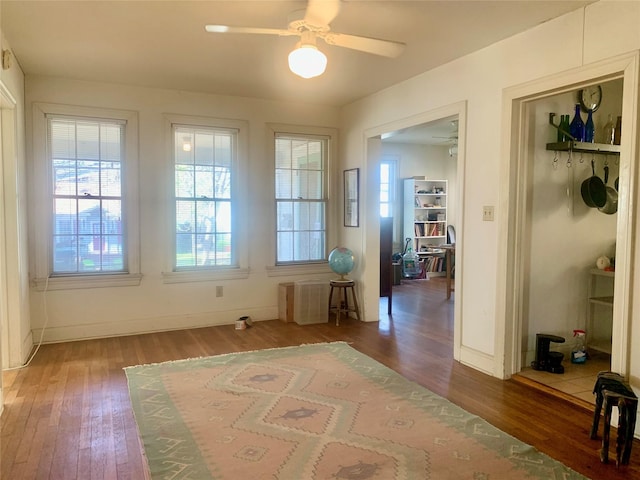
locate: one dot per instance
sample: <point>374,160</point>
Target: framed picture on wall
<point>351,200</point>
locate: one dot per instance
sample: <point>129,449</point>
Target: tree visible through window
<point>301,200</point>
<point>86,158</point>
<point>204,158</point>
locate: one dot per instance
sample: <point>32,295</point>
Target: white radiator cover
<point>311,301</point>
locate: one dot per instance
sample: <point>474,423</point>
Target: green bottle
<point>564,129</point>
<point>560,137</point>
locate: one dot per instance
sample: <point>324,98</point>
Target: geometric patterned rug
<point>322,411</point>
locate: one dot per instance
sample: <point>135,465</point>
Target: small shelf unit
<point>599,308</point>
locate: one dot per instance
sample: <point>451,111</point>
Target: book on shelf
<point>436,229</point>
<point>434,264</point>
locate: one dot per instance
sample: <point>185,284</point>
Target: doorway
<point>385,142</point>
<point>565,293</point>
<point>517,240</point>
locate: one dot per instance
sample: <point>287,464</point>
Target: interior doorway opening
<point>442,134</point>
<point>566,297</point>
<point>521,239</point>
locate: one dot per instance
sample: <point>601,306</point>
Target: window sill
<point>87,281</point>
<point>301,269</point>
<point>188,276</point>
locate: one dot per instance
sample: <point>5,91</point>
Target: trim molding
<point>137,326</point>
<point>478,360</point>
<point>87,281</point>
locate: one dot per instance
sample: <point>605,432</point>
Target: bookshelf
<point>425,219</point>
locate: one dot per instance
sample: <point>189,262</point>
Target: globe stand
<point>343,287</point>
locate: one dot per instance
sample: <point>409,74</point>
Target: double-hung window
<point>301,163</point>
<point>88,228</point>
<point>204,159</point>
<point>84,209</point>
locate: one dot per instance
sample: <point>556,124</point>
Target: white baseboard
<point>478,360</point>
<point>119,328</point>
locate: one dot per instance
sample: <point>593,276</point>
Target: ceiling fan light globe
<point>307,61</point>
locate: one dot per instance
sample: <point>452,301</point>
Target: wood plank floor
<point>67,415</point>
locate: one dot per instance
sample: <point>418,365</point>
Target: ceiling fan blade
<point>259,30</point>
<point>320,13</point>
<point>386,48</point>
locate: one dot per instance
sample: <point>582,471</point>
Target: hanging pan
<point>593,190</point>
<point>611,204</point>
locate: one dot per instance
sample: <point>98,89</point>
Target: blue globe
<point>341,260</point>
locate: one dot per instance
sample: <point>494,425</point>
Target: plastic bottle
<point>410,264</point>
<point>579,352</point>
<point>577,126</point>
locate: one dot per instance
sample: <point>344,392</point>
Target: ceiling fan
<point>306,60</point>
<point>450,138</point>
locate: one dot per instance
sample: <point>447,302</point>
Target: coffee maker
<point>546,360</point>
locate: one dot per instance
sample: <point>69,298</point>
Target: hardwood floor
<point>67,415</point>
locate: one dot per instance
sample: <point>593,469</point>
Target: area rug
<point>322,411</point>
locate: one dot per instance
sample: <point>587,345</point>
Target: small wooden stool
<point>611,389</point>
<point>343,287</point>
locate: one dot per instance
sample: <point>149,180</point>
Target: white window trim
<point>239,201</point>
<point>394,162</point>
<point>42,193</point>
<point>316,267</point>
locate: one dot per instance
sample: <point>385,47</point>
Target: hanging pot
<point>611,204</point>
<point>593,190</point>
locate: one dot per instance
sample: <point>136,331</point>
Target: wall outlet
<point>487,213</point>
<point>219,291</point>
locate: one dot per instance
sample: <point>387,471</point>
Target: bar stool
<point>343,286</point>
<point>612,390</point>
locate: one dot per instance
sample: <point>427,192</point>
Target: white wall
<point>432,161</point>
<point>154,305</point>
<point>587,35</point>
<point>566,236</point>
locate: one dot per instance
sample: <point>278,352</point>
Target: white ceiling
<point>442,132</point>
<point>164,44</point>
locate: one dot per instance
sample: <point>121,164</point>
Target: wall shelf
<point>584,147</point>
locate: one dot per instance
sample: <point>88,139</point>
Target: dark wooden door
<point>386,253</point>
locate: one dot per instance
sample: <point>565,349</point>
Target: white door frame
<point>9,328</point>
<point>372,226</point>
<point>513,181</point>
